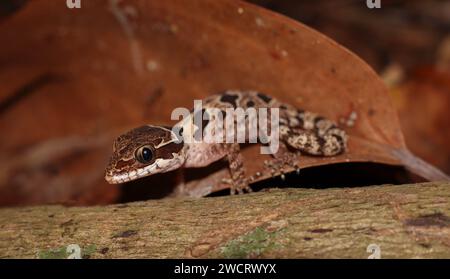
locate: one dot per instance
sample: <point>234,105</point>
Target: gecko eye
<point>144,154</point>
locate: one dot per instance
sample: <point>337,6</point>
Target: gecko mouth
<point>125,177</point>
<point>129,176</point>
<point>160,165</point>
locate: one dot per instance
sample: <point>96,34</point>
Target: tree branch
<point>406,221</point>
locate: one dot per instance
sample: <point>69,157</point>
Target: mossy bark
<point>405,221</point>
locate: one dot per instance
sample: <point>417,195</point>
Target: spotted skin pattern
<point>300,131</point>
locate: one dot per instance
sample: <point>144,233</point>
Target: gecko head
<point>142,152</point>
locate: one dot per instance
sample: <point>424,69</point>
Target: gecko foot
<point>239,187</point>
<point>282,164</point>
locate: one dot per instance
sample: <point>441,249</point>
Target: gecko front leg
<point>239,182</point>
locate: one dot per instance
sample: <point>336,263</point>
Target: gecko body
<point>151,149</point>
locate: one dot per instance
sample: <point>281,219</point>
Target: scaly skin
<point>148,150</point>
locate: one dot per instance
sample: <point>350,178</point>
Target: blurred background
<point>406,42</point>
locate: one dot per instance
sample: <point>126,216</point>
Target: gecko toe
<point>238,187</point>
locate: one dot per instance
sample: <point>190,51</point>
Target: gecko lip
<point>121,178</point>
<point>129,176</point>
<point>126,177</point>
<point>160,165</point>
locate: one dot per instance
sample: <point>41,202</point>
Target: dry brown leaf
<point>423,102</point>
<point>112,65</point>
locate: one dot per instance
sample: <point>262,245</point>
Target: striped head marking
<point>142,152</point>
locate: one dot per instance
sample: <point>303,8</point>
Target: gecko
<point>152,149</point>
